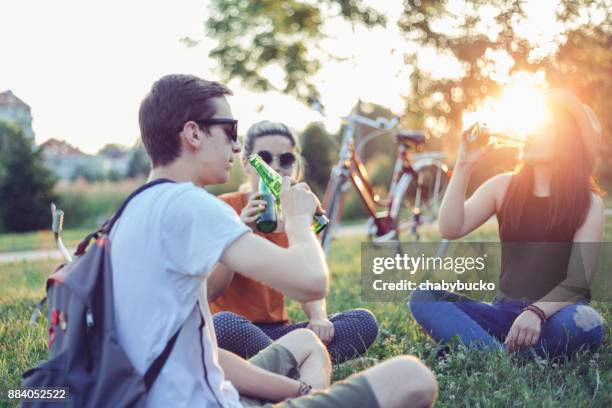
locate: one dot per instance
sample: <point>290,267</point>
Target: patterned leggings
<point>355,331</point>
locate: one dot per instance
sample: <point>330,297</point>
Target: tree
<point>581,58</point>
<point>139,164</point>
<point>254,35</point>
<point>316,152</point>
<point>480,37</point>
<point>87,172</point>
<point>26,186</point>
<point>112,150</point>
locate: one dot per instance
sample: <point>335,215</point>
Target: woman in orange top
<point>249,316</point>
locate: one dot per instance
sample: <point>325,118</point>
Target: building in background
<point>63,159</point>
<point>14,110</point>
<point>66,160</point>
<point>70,163</point>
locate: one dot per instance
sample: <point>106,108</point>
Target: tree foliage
<point>112,150</point>
<point>26,186</point>
<point>473,35</point>
<point>140,164</point>
<point>581,58</point>
<point>316,149</point>
<point>256,34</point>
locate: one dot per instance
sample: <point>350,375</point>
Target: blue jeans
<point>355,331</point>
<point>444,315</point>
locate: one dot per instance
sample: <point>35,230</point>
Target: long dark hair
<point>571,184</point>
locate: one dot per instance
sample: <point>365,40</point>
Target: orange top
<point>245,296</point>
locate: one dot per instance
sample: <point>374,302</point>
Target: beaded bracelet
<point>538,312</point>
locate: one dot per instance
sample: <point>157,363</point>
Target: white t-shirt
<point>163,248</point>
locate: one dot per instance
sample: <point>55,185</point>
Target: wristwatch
<point>304,389</point>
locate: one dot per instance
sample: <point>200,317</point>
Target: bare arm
<point>254,381</point>
<point>318,321</point>
<point>315,309</point>
<point>299,271</point>
<point>459,217</point>
<point>582,263</point>
<point>219,280</point>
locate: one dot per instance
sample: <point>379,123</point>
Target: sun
<point>519,111</point>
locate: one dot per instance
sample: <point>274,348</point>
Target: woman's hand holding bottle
<point>250,212</point>
<point>470,152</point>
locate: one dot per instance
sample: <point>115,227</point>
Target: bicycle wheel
<point>421,201</point>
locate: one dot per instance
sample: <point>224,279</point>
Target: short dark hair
<point>174,100</point>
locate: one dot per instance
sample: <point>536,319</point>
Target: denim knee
<point>576,327</point>
<point>586,318</point>
<point>419,299</point>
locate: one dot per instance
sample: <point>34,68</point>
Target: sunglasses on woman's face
<point>230,126</point>
<point>285,160</point>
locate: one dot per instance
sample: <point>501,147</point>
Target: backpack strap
<point>157,365</point>
<point>108,224</point>
<point>155,368</point>
<point>153,371</point>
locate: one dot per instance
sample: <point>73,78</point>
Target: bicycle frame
<point>350,167</point>
<point>383,212</point>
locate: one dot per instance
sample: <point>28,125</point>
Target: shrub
<point>26,186</point>
<point>87,205</point>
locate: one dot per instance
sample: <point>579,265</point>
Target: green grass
<point>40,240</point>
<point>465,378</point>
<point>471,378</point>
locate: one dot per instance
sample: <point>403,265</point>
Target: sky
<point>84,66</point>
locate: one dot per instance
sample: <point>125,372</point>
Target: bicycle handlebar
<point>380,123</point>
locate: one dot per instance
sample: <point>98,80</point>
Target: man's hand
<point>323,328</point>
<point>297,201</point>
<point>525,331</point>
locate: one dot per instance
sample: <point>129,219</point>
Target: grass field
<point>465,378</point>
<point>40,240</point>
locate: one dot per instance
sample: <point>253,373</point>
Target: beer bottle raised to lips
<point>273,181</point>
<point>480,135</point>
<point>267,218</point>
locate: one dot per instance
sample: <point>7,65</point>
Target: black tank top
<point>534,260</point>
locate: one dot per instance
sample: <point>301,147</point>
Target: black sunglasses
<point>285,160</point>
<point>220,121</point>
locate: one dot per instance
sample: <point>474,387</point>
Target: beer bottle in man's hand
<point>273,181</point>
<point>267,218</point>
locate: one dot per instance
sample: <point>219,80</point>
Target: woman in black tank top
<point>544,209</point>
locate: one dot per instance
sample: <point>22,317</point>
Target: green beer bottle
<point>267,218</point>
<point>480,135</point>
<point>274,181</point>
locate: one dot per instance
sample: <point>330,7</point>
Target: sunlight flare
<point>519,111</point>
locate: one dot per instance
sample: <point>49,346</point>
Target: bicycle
<point>415,193</point>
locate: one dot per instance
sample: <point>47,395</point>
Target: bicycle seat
<point>411,137</point>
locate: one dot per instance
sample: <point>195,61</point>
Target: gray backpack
<point>84,354</point>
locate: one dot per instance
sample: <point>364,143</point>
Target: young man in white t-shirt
<point>176,244</point>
